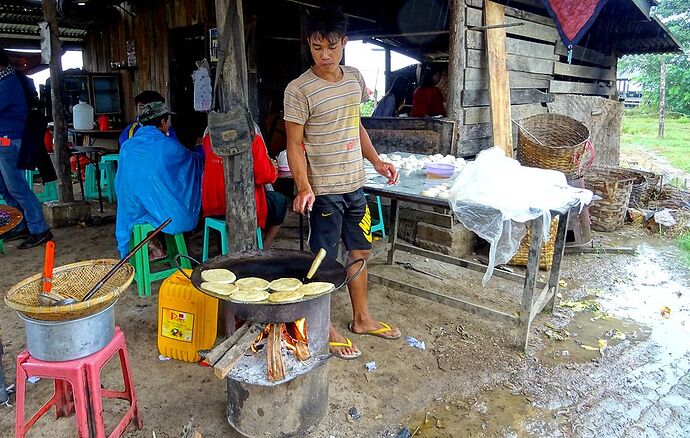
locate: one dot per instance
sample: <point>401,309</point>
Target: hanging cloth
<point>573,18</point>
<point>202,87</point>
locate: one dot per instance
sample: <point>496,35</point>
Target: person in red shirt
<point>271,206</point>
<point>427,100</point>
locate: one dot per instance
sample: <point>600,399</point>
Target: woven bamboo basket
<point>14,217</point>
<point>547,248</point>
<point>75,281</point>
<point>614,185</point>
<point>643,187</point>
<point>554,141</point>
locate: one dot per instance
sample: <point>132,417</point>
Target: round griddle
<point>272,265</point>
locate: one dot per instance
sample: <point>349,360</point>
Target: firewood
<point>302,351</point>
<point>274,356</point>
<point>225,364</point>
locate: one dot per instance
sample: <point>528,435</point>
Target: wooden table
<point>530,307</point>
<point>95,134</point>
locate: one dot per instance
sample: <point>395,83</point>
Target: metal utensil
<point>315,265</point>
<point>408,265</point>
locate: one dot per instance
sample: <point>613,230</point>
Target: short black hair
<point>328,22</point>
<point>157,122</point>
<point>148,96</point>
<point>4,60</point>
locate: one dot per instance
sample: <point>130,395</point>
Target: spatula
<point>315,265</point>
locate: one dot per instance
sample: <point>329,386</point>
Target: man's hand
<point>387,170</point>
<point>304,201</point>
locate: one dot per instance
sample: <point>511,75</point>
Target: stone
<point>64,214</point>
<point>457,241</point>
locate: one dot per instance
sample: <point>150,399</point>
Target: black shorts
<point>277,205</point>
<point>336,217</point>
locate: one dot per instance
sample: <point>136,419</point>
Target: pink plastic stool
<point>85,394</point>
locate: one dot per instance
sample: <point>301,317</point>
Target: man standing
<point>322,113</point>
<point>13,186</point>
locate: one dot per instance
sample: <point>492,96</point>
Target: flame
<point>292,333</point>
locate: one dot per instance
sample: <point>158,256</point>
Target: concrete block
<point>65,214</point>
<point>457,241</point>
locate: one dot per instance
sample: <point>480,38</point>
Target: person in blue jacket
<point>13,186</point>
<point>141,99</point>
<point>157,178</point>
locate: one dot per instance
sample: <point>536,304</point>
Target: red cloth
<point>573,15</point>
<point>427,101</point>
<point>213,181</point>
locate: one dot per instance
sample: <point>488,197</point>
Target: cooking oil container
<point>187,319</point>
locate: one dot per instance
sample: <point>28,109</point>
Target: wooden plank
<point>529,284</point>
<point>440,298</point>
<point>235,353</point>
<point>587,55</point>
<point>518,13</point>
<point>472,132</point>
<point>475,40</point>
<point>591,88</point>
<point>470,148</point>
<point>481,114</point>
<point>540,302</point>
<point>219,350</point>
<point>528,29</point>
<point>584,72</point>
<point>477,78</point>
<point>456,60</point>
<point>518,96</point>
<point>477,59</point>
<point>499,87</point>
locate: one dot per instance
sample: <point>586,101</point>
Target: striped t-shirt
<point>329,112</point>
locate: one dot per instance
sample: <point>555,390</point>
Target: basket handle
<point>587,147</point>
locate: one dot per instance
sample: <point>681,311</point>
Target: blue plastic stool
<point>49,192</point>
<point>378,225</point>
<point>219,225</point>
<point>107,181</point>
<point>2,248</point>
<point>143,276</point>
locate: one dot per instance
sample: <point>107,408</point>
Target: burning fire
<point>293,337</point>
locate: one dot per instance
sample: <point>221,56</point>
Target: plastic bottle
<point>187,319</point>
<point>83,115</point>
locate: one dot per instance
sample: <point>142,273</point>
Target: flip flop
<point>346,344</point>
<point>378,332</point>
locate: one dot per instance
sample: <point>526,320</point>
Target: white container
<point>83,115</point>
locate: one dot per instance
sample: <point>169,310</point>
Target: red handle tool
<point>48,266</point>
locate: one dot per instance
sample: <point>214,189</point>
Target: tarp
<point>573,18</point>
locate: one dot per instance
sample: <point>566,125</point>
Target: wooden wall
<point>410,134</point>
<point>538,70</point>
<point>147,23</point>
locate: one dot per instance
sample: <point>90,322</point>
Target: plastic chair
<point>84,394</point>
<point>378,225</point>
<point>219,225</point>
<point>143,275</point>
<point>49,192</point>
<point>107,181</point>
<point>2,247</point>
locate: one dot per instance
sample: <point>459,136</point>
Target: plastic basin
<point>440,170</point>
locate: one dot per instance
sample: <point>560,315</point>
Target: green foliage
<point>366,109</point>
<point>684,243</point>
<point>645,68</point>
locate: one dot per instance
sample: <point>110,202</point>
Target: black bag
<point>32,153</point>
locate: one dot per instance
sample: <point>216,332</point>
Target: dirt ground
<point>471,380</point>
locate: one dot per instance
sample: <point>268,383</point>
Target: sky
<point>71,59</point>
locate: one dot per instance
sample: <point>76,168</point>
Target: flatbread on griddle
<point>252,283</point>
<point>285,284</point>
<point>285,296</point>
<point>316,288</point>
<point>249,296</point>
<point>218,276</point>
<point>219,288</point>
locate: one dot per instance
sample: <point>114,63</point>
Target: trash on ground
<point>415,343</point>
<point>370,366</point>
<point>666,312</point>
<point>354,413</point>
<point>555,333</point>
<point>33,379</point>
<point>439,424</point>
<point>404,433</point>
<point>163,358</point>
<point>582,305</point>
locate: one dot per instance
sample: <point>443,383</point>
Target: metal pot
<point>57,341</point>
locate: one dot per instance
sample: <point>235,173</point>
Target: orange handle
<point>48,266</point>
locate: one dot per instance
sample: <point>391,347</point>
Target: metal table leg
<point>530,282</point>
<point>393,231</point>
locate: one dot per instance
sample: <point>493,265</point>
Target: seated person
<point>427,100</point>
<point>141,99</point>
<point>393,101</point>
<point>270,206</point>
<point>157,179</point>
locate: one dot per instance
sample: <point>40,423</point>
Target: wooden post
<point>499,85</point>
<point>64,173</point>
<point>456,66</point>
<point>240,210</point>
<point>662,98</point>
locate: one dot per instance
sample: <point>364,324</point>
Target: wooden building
<point>154,44</point>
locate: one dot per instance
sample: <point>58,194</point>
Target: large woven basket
<point>73,280</point>
<point>644,185</point>
<point>554,141</point>
<point>547,248</point>
<point>614,185</point>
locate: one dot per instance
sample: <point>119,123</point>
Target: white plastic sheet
<point>494,196</point>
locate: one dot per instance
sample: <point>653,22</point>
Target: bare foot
<point>344,349</point>
<point>370,326</point>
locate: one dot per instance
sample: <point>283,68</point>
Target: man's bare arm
<point>298,167</point>
<point>369,152</point>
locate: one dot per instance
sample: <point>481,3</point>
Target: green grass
<point>640,131</point>
<point>684,243</point>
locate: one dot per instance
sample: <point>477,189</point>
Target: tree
<point>645,69</point>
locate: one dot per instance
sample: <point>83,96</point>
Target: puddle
<point>497,413</point>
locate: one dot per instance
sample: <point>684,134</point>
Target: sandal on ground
<point>339,354</point>
<point>385,328</point>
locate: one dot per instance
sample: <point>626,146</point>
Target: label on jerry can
<point>177,325</point>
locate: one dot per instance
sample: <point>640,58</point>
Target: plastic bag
<point>494,196</point>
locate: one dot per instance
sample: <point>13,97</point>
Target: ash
<point>252,368</point>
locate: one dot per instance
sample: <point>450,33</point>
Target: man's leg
<point>270,234</point>
<point>277,204</point>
